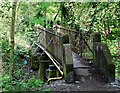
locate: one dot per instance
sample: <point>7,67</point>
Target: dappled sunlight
<point>21,40</point>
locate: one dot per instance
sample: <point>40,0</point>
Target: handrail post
<point>68,64</point>
<point>41,71</point>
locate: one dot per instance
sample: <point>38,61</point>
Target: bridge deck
<point>78,62</point>
<point>86,79</point>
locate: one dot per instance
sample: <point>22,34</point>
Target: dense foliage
<point>85,17</point>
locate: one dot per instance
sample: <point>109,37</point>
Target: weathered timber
<point>44,61</point>
<point>48,38</point>
<point>41,71</point>
<point>103,59</point>
<point>43,65</point>
<point>47,31</point>
<point>58,49</point>
<point>55,62</point>
<point>68,64</point>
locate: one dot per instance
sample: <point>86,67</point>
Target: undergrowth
<point>22,79</point>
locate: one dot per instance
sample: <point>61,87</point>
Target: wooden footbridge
<point>57,51</point>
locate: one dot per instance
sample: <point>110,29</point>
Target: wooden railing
<point>103,58</point>
<point>57,41</point>
<point>51,43</point>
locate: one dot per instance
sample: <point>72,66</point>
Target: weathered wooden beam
<point>44,61</point>
<point>47,31</point>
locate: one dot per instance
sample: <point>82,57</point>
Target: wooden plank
<point>44,61</point>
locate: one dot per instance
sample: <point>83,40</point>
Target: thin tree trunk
<point>1,69</point>
<point>12,39</point>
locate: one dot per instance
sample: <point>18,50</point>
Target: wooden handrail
<point>49,32</point>
<point>67,29</point>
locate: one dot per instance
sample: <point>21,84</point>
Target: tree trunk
<point>12,38</point>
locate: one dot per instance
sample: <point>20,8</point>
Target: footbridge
<point>58,51</point>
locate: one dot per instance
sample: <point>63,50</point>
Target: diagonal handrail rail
<point>47,31</point>
<point>52,58</point>
<point>39,43</point>
<point>46,47</point>
<point>35,40</point>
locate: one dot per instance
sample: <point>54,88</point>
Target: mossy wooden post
<point>96,38</point>
<point>68,64</point>
<point>41,71</point>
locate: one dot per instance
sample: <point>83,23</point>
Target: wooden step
<point>44,61</point>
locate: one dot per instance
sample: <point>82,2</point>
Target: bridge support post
<point>68,64</point>
<point>41,71</point>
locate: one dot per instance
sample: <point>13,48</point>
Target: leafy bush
<point>19,85</point>
<point>115,34</point>
<point>117,70</point>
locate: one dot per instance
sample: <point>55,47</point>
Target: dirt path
<point>91,82</point>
